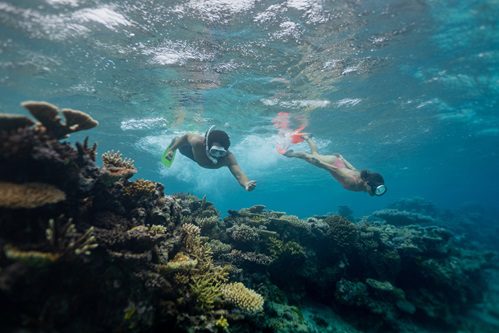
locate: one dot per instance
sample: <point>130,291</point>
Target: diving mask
<point>380,190</point>
<point>217,151</point>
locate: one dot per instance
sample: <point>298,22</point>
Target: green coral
<point>278,248</point>
<point>342,232</point>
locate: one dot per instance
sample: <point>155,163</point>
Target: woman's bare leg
<point>311,144</point>
<point>310,158</point>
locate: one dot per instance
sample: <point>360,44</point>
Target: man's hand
<point>250,185</point>
<point>169,154</point>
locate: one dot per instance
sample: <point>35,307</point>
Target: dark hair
<point>219,136</point>
<point>373,179</point>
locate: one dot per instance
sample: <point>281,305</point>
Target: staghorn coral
<point>49,116</point>
<point>244,298</point>
<point>206,223</point>
<point>29,195</point>
<point>207,288</point>
<point>67,241</point>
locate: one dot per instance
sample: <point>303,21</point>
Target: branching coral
<point>144,232</point>
<point>278,248</point>
<point>117,167</point>
<point>140,189</point>
<point>29,195</point>
<point>249,257</point>
<point>67,241</point>
<point>244,298</point>
<point>243,233</point>
<point>207,288</point>
<point>180,263</point>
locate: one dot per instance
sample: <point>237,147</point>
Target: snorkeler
<point>344,172</point>
<point>210,151</point>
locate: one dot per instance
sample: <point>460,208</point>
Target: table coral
<point>49,116</point>
<point>29,195</point>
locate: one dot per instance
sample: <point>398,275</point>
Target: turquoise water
<point>406,88</point>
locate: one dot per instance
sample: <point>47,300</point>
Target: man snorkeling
<point>210,151</point>
<point>344,172</point>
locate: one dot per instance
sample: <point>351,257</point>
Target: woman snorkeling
<point>344,172</point>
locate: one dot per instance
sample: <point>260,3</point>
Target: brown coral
<point>49,116</point>
<point>10,122</point>
<point>32,258</point>
<point>29,195</point>
<point>116,167</point>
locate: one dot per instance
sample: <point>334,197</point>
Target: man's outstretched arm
<point>235,169</point>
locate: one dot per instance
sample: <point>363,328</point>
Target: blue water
<point>406,88</point>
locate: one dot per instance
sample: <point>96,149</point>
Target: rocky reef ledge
<point>84,248</point>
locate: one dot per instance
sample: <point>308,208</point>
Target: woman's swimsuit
<point>338,162</point>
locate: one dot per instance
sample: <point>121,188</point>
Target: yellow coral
<point>181,262</point>
<point>29,195</point>
<point>222,323</point>
<point>34,258</point>
<point>157,229</point>
<point>244,298</point>
<point>207,286</point>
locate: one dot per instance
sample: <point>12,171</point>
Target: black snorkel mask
<point>214,152</point>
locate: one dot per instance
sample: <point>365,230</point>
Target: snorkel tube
<point>207,145</point>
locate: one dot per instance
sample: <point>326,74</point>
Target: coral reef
<point>86,249</point>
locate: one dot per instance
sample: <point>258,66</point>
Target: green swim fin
<point>167,161</point>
